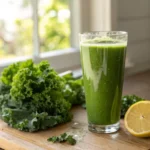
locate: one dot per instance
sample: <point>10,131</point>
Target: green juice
<point>103,73</point>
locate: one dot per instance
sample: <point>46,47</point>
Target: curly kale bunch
<point>127,101</point>
<point>9,72</point>
<point>31,96</point>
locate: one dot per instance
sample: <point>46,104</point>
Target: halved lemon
<point>137,119</point>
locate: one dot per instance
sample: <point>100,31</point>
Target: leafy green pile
<point>127,101</point>
<point>63,138</point>
<point>35,97</point>
<point>74,91</point>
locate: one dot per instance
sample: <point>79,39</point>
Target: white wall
<point>134,17</point>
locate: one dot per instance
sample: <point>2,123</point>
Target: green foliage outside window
<point>54,30</point>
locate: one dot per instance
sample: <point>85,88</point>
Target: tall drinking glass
<point>103,61</point>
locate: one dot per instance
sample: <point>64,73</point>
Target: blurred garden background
<point>16,27</point>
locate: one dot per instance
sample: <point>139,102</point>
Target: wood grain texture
<point>12,139</point>
<point>122,140</point>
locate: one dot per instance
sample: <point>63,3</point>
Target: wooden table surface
<point>12,139</point>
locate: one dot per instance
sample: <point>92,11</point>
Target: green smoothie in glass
<point>103,61</point>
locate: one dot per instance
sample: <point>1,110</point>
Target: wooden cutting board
<point>12,139</point>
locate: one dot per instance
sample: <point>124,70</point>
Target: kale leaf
<point>63,138</point>
<point>35,97</point>
<point>71,140</point>
<point>127,101</point>
<point>4,89</point>
<point>10,71</point>
<point>31,97</point>
<point>74,91</point>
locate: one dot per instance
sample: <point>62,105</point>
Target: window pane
<point>15,29</point>
<point>54,24</point>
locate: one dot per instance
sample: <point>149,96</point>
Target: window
<point>14,20</point>
<point>36,29</point>
<point>54,24</point>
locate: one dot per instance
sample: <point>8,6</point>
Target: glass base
<point>104,128</point>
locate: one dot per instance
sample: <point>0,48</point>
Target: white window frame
<point>86,15</point>
<point>61,60</point>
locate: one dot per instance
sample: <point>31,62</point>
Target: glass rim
<point>102,33</point>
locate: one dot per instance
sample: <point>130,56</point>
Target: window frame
<point>82,19</point>
<point>63,59</point>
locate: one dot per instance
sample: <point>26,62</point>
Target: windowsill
<point>78,72</point>
<point>61,60</point>
<point>56,53</point>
